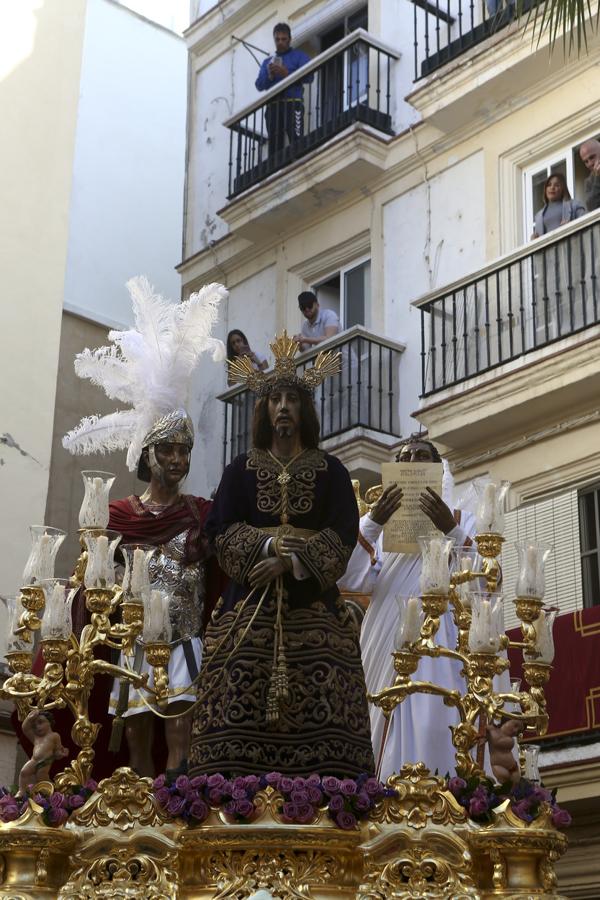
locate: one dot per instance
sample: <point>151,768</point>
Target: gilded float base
<point>417,844</point>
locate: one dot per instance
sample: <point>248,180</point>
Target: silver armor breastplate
<point>185,583</point>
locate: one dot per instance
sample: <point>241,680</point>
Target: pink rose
<point>345,820</point>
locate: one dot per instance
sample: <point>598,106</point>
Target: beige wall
<point>76,397</point>
<point>41,44</point>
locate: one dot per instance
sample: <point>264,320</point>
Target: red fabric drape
<point>573,691</point>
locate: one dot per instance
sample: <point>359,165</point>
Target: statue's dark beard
<point>284,430</point>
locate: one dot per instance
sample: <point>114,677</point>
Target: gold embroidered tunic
<point>323,725</point>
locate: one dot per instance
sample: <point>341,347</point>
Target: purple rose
<point>305,813</point>
<point>345,820</point>
<point>238,783</point>
<point>162,796</point>
<point>330,784</point>
<point>156,784</point>
<point>456,785</point>
<point>75,801</point>
<point>285,784</point>
<point>251,783</point>
<point>198,810</point>
<point>176,806</point>
<point>314,794</point>
<point>56,815</point>
<point>198,782</point>
<point>299,795</point>
<point>522,809</point>
<point>273,778</point>
<point>9,812</point>
<point>215,796</point>
<point>313,778</point>
<point>229,808</point>
<point>299,784</point>
<point>244,808</point>
<point>372,787</point>
<point>560,817</point>
<point>362,801</point>
<point>336,803</point>
<point>290,810</point>
<point>541,794</point>
<point>238,793</point>
<point>92,785</point>
<point>215,781</point>
<point>182,783</point>
<point>348,787</point>
<point>192,796</point>
<point>478,805</point>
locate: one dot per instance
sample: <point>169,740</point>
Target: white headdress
<point>149,367</point>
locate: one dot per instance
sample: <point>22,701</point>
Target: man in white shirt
<point>319,323</point>
<point>419,727</point>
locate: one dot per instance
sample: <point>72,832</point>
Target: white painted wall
<point>432,235</point>
<point>126,208</point>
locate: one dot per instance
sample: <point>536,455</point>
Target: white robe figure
<point>419,727</point>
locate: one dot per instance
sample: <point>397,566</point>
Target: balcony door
<point>344,79</point>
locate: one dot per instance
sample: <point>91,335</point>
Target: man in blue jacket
<point>285,112</point>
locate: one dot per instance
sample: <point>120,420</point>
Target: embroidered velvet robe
<point>323,725</point>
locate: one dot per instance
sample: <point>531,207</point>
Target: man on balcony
<point>590,156</point>
<point>285,112</point>
<point>319,324</point>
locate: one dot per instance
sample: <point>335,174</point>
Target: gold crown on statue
<point>285,348</point>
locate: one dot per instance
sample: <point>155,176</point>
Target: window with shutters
<point>589,536</point>
<point>556,520</point>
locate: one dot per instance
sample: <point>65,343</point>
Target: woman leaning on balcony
<point>558,208</point>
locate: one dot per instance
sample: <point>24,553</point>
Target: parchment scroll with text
<point>408,523</point>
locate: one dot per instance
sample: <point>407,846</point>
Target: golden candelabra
<point>71,664</point>
<point>479,703</point>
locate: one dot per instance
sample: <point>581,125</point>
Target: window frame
<point>593,489</point>
<point>341,272</point>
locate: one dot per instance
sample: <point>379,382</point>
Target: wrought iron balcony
<point>350,82</point>
<point>529,299</point>
<point>364,394</point>
<point>445,29</point>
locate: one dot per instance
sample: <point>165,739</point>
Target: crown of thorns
<point>285,348</point>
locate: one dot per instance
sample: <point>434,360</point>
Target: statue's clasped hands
<point>279,561</point>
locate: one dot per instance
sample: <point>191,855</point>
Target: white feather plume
<point>148,366</point>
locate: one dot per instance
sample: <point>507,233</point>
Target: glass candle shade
<point>489,516</point>
<point>487,622</point>
<point>410,619</point>
<point>100,567</point>
<point>45,542</point>
<point>15,643</point>
<point>435,568</point>
<point>157,623</point>
<point>463,560</point>
<point>56,623</point>
<point>544,639</point>
<point>532,562</point>
<point>94,508</point>
<point>136,579</point>
<point>531,753</point>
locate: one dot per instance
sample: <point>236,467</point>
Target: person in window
<point>237,345</point>
<point>285,112</point>
<point>319,323</point>
<point>558,208</point>
<point>590,156</point>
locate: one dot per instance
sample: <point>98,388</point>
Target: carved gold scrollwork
<point>123,800</point>
<point>420,797</point>
<point>286,874</point>
<point>124,874</point>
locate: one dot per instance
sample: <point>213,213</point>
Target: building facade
<point>406,200</point>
